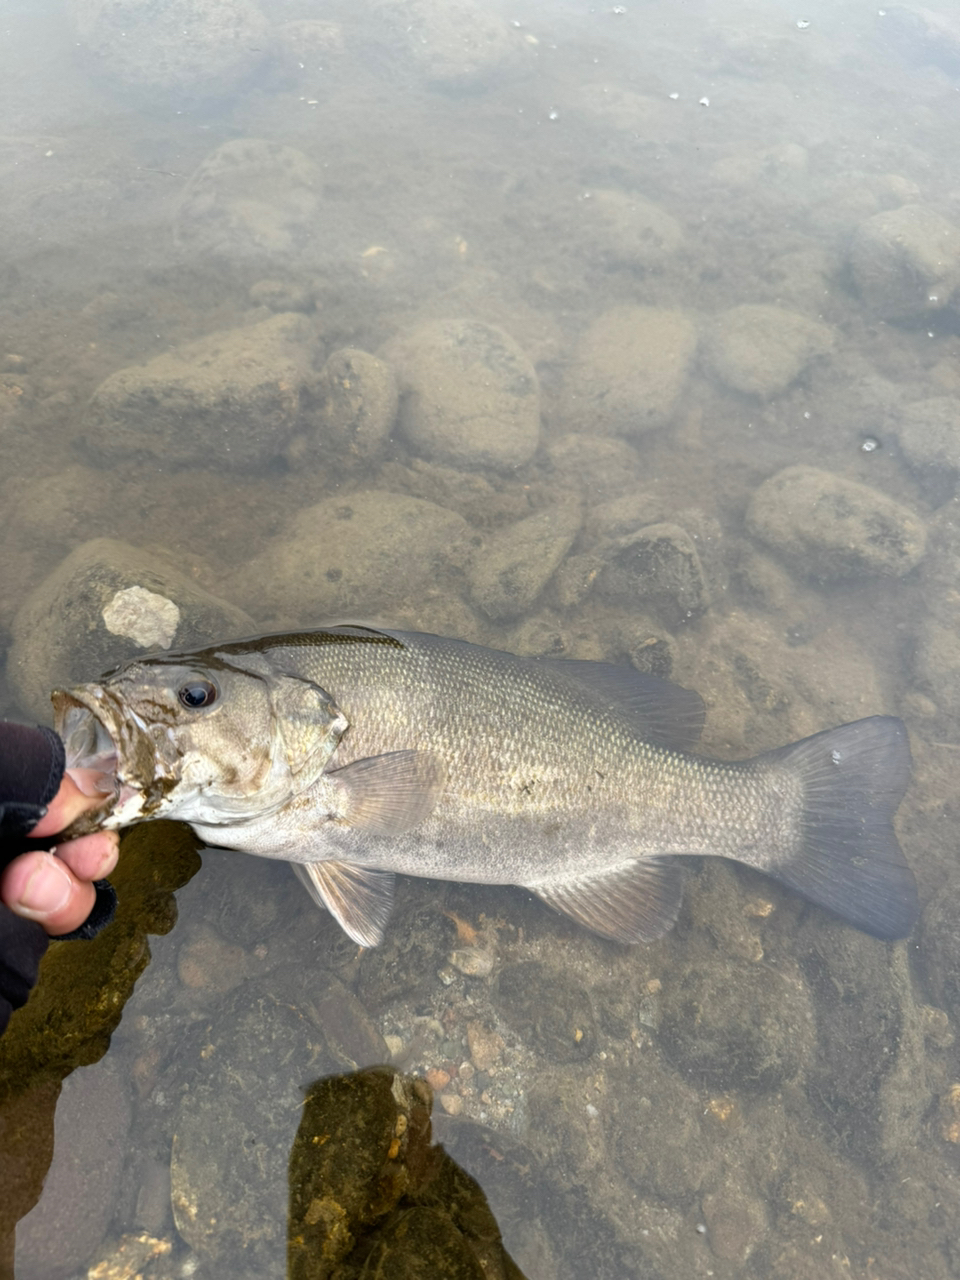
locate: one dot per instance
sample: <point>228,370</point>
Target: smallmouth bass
<point>358,753</point>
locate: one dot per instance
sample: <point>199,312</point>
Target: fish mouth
<point>95,740</point>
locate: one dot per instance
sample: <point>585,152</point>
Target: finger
<point>65,807</point>
<point>91,857</point>
<point>38,886</point>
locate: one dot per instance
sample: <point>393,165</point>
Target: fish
<point>358,753</point>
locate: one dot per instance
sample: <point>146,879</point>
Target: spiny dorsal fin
<point>387,795</point>
<point>360,900</point>
<point>662,713</point>
<point>638,902</point>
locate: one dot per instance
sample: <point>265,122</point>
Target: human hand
<point>56,888</point>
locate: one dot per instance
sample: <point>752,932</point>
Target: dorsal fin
<point>662,713</point>
<point>636,902</point>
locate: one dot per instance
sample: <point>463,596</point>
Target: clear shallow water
<point>819,1136</point>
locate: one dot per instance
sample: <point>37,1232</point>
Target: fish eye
<point>198,693</point>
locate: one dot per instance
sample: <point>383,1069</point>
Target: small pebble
<point>452,1103</point>
<point>485,1045</point>
<point>394,1045</point>
<point>437,1079</point>
<point>472,961</point>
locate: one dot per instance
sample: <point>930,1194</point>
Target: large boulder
<point>180,50</point>
<point>630,370</point>
<point>250,200</point>
<point>230,400</point>
<point>469,395</point>
<point>906,262</point>
<point>761,350</point>
<point>363,556</point>
<point>828,527</point>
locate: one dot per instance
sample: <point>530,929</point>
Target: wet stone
<point>229,400</point>
<point>469,394</point>
<point>360,554</point>
<point>660,1142</point>
<point>905,262</point>
<point>828,527</point>
<point>550,1009</point>
<point>731,1027</point>
<point>423,1242</point>
<point>82,990</point>
<point>630,370</point>
<point>189,51</point>
<point>516,563</point>
<point>761,350</point>
<point>657,568</point>
<point>627,230</point>
<point>370,1195</point>
<point>458,46</point>
<point>929,435</point>
<point>252,200</point>
<point>350,409</point>
<point>121,602</point>
<point>736,1224</point>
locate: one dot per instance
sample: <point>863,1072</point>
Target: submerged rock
<point>929,433</point>
<point>118,602</point>
<point>516,563</point>
<point>251,199</point>
<point>363,554</point>
<point>628,230</point>
<point>906,262</point>
<point>184,50</point>
<point>349,410</point>
<point>229,400</point>
<point>761,350</point>
<point>630,370</point>
<point>458,45</point>
<point>829,527</point>
<point>657,568</point>
<point>729,1027</point>
<point>469,395</point>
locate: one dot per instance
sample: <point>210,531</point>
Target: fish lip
<point>99,746</point>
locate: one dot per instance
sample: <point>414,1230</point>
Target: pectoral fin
<point>387,795</point>
<point>638,902</point>
<point>360,900</point>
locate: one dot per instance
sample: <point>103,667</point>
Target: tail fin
<point>849,860</point>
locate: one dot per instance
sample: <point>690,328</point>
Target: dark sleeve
<point>31,766</point>
<point>32,762</point>
<point>31,770</point>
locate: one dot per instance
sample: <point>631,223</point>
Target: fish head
<point>203,741</point>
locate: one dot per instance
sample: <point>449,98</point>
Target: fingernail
<point>47,890</point>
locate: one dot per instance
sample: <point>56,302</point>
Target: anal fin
<point>638,902</point>
<point>359,899</point>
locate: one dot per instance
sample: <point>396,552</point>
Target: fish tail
<point>847,857</point>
